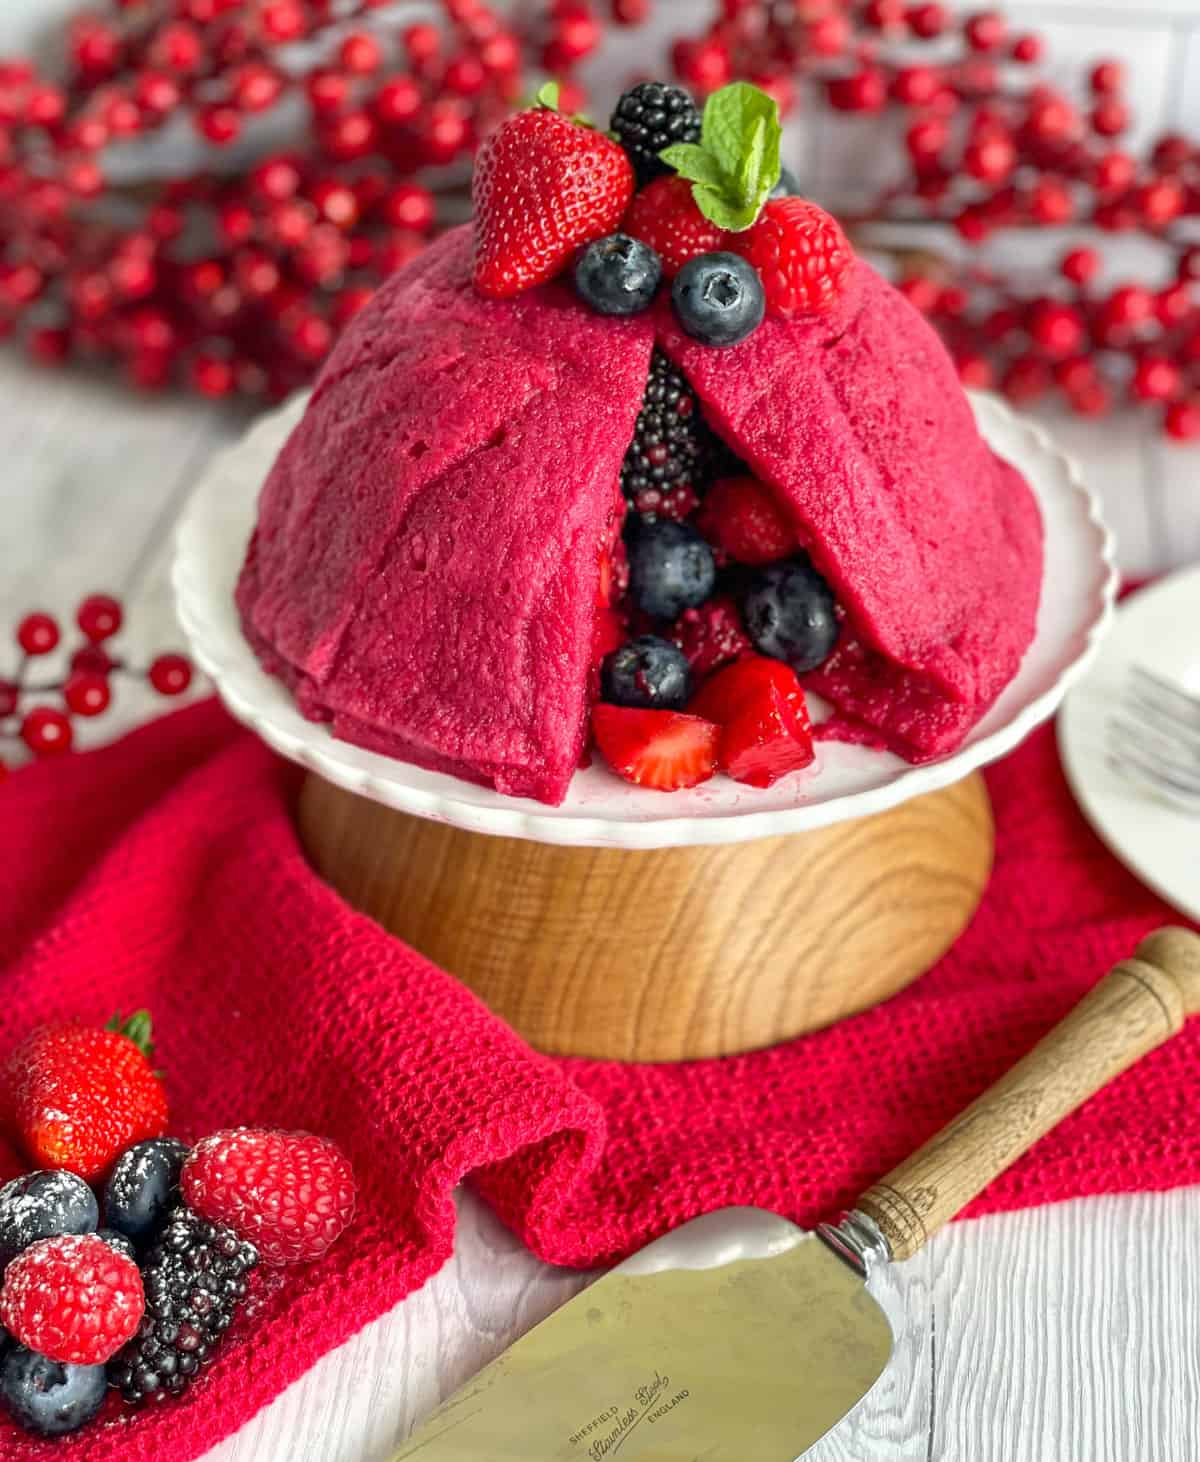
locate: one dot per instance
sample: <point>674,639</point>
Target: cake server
<point>740,1337</point>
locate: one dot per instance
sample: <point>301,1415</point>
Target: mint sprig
<point>736,162</point>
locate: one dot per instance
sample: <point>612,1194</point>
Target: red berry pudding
<point>643,456</point>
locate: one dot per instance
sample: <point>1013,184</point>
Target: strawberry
<point>75,1096</point>
<point>760,708</point>
<point>290,1194</point>
<point>544,186</point>
<point>659,749</point>
<point>75,1299</point>
<point>801,254</point>
<point>744,519</point>
<point>665,216</point>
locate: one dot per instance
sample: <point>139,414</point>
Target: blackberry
<point>672,453</point>
<point>648,118</point>
<point>195,1278</point>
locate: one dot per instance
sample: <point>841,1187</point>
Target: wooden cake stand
<point>635,925</point>
<point>666,954</point>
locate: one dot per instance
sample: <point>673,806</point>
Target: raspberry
<point>290,1194</point>
<point>743,518</point>
<point>711,635</point>
<point>73,1298</point>
<point>665,216</point>
<point>801,254</point>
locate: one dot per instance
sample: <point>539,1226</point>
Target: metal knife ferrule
<point>858,1241</point>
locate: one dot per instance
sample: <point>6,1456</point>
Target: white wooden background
<point>1063,1333</point>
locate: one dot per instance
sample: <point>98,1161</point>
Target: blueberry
<point>144,1188</point>
<point>788,185</point>
<point>118,1242</point>
<point>48,1398</point>
<point>618,275</point>
<point>40,1205</point>
<point>670,567</point>
<point>718,298</point>
<point>789,611</point>
<point>648,672</point>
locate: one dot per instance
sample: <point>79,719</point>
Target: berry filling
<point>707,603</point>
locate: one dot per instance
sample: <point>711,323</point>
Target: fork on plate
<point>1154,739</point>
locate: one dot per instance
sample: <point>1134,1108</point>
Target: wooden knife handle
<point>1136,1007</point>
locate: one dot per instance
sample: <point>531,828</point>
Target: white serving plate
<point>1160,630</point>
<point>601,810</point>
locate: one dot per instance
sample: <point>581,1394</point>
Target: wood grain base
<point>666,954</point>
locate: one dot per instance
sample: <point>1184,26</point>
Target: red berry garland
<point>238,279</point>
<point>41,713</point>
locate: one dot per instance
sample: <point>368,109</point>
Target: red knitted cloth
<point>164,871</point>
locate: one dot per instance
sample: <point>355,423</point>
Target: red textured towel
<point>164,871</point>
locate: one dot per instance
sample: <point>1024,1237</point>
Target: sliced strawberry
<point>660,749</point>
<point>765,730</point>
<point>743,517</point>
<point>728,693</point>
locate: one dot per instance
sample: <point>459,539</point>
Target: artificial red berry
<point>1114,172</point>
<point>1127,307</point>
<point>1106,77</point>
<point>927,21</point>
<point>1079,265</point>
<point>1109,117</point>
<point>290,1194</point>
<point>170,674</point>
<point>1156,378</point>
<point>47,732</point>
<point>862,91</point>
<point>409,206</point>
<point>801,254</point>
<point>990,158</point>
<point>1174,304</point>
<point>986,31</point>
<point>99,617</point>
<point>1160,201</point>
<point>38,634</point>
<point>360,53</point>
<point>1182,420</point>
<point>1056,327</point>
<point>398,101</point>
<point>10,695</point>
<point>1027,49</point>
<point>87,695</point>
<point>75,1299</point>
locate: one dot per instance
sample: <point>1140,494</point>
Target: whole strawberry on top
<point>76,1096</point>
<point>544,186</point>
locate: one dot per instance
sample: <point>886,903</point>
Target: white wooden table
<point>1063,1333</point>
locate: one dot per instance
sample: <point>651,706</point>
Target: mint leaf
<point>736,163</point>
<point>694,164</point>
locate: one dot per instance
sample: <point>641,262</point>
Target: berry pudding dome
<point>640,460</point>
